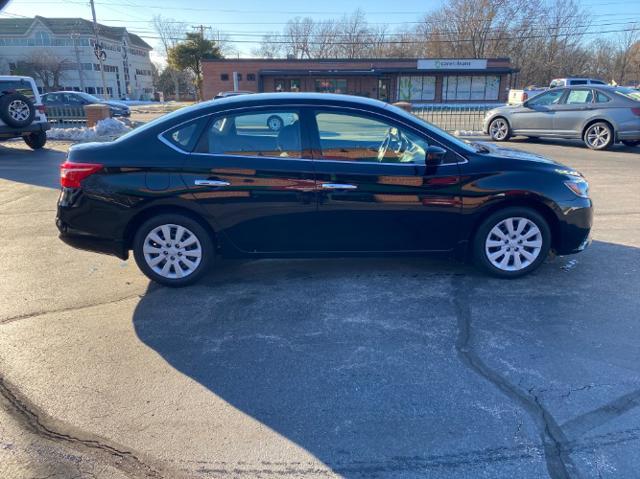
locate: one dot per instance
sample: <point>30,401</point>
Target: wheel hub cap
<point>513,244</point>
<point>172,251</point>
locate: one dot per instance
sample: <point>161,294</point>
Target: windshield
<point>630,93</point>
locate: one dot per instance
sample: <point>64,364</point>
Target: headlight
<point>579,186</point>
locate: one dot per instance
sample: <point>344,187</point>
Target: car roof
<point>286,97</point>
<point>14,77</point>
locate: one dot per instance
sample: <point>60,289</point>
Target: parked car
<point>80,99</point>
<point>599,115</point>
<point>226,94</point>
<point>22,113</point>
<point>350,175</point>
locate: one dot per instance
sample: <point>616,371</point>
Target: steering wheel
<point>393,135</point>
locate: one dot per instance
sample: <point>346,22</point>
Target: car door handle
<point>211,183</point>
<point>338,186</point>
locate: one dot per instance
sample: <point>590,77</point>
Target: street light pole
<point>97,49</point>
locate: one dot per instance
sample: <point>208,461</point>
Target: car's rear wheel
<point>16,110</point>
<point>598,136</point>
<point>173,249</point>
<point>499,129</point>
<point>36,140</point>
<point>631,142</point>
<point>512,242</point>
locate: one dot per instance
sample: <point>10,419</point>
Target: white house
<point>70,43</point>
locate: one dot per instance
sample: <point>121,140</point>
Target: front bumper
<point>574,233</point>
<point>12,132</point>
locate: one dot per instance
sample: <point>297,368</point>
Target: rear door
<point>375,192</point>
<point>574,108</point>
<point>536,115</point>
<point>256,182</point>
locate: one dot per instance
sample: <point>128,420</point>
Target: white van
<point>22,112</point>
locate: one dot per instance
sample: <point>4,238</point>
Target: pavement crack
<point>67,309</point>
<point>34,420</point>
<point>556,452</point>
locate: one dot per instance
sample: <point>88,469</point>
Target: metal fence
<point>454,117</point>
<point>66,116</point>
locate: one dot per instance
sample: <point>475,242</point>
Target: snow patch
<point>467,133</point>
<point>104,129</point>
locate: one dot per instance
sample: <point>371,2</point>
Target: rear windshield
<point>21,86</point>
<point>631,93</point>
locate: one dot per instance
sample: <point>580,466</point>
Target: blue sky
<point>246,20</point>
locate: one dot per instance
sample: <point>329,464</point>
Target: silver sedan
<point>599,115</point>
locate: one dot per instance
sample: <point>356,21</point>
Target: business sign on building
<point>452,64</point>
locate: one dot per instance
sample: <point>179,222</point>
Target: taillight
<point>525,97</point>
<point>41,108</point>
<point>635,111</point>
<point>72,174</point>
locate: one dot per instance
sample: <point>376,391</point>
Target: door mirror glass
<point>434,155</point>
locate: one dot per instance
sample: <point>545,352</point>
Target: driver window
<point>347,137</point>
<point>551,97</point>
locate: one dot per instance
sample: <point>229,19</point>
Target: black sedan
<point>80,99</point>
<point>345,176</point>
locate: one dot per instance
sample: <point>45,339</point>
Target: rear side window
<point>601,97</point>
<point>20,86</point>
<point>273,133</point>
<point>183,136</point>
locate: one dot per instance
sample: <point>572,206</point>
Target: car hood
<point>513,154</point>
<point>116,104</point>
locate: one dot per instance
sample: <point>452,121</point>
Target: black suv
<point>345,175</point>
<point>22,113</point>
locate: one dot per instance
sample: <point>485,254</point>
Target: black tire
<point>480,247</point>
<point>499,129</point>
<point>275,123</point>
<point>201,233</point>
<point>16,110</point>
<point>631,142</point>
<point>36,140</point>
<point>593,130</point>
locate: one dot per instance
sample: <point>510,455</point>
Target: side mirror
<point>434,155</point>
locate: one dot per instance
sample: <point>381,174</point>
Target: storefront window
<point>416,88</point>
<point>295,85</point>
<point>331,86</point>
<point>279,86</point>
<point>463,87</point>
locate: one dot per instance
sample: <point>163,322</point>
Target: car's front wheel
<point>36,140</point>
<point>512,242</point>
<point>598,136</point>
<point>499,129</point>
<point>173,249</point>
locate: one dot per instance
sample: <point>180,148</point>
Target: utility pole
<point>202,28</point>
<point>99,50</point>
<point>75,36</point>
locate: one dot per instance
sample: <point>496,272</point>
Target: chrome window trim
<point>160,135</point>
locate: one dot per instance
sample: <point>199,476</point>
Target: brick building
<point>414,80</point>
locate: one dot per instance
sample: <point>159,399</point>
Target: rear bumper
<point>80,240</point>
<point>11,132</point>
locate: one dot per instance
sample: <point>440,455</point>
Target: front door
<point>375,192</point>
<point>536,115</point>
<point>254,178</point>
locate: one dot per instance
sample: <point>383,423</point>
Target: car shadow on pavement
<point>617,148</point>
<point>407,367</point>
<point>38,168</point>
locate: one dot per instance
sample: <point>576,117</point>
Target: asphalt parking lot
<point>390,368</point>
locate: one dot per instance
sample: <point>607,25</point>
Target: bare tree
<point>46,66</point>
<point>627,40</point>
<point>170,33</point>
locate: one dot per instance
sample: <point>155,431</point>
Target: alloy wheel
<point>598,136</point>
<point>499,129</point>
<point>19,110</point>
<point>172,251</point>
<point>513,244</point>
